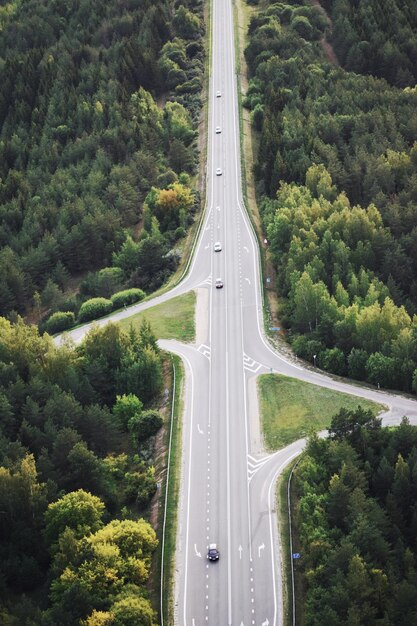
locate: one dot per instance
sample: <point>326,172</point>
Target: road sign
<point>275,328</point>
<point>296,555</point>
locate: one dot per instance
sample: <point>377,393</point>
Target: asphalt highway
<point>227,488</point>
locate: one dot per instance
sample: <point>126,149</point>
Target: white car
<point>218,94</point>
<point>217,246</point>
<point>218,130</point>
<point>219,171</point>
<point>219,283</point>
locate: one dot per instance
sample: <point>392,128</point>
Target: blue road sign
<point>296,555</point>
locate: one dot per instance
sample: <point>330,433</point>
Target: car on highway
<point>217,246</point>
<point>218,94</point>
<point>219,283</point>
<point>218,130</point>
<point>213,554</point>
<point>219,171</point>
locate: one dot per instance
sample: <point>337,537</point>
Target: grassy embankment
<point>170,320</point>
<point>291,409</point>
<point>171,495</point>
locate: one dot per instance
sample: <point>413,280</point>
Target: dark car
<point>213,554</point>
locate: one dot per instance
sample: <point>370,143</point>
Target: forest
<point>98,114</point>
<point>377,37</point>
<point>336,176</point>
<point>77,432</point>
<point>355,499</point>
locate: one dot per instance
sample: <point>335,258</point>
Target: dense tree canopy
<point>75,451</point>
<point>336,173</point>
<point>356,523</point>
<point>376,37</point>
<point>84,135</point>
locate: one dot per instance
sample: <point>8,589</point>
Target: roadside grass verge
<point>174,319</point>
<point>287,550</point>
<point>281,495</point>
<point>291,409</point>
<point>249,145</point>
<point>170,498</point>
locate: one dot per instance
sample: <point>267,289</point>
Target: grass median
<point>291,409</point>
<point>174,319</point>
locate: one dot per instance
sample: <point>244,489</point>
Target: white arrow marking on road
<point>240,551</point>
<point>207,246</point>
<point>261,547</point>
<point>266,622</point>
<point>193,620</point>
<point>201,432</point>
<point>208,227</point>
<point>218,225</point>
<point>246,248</point>
<point>197,553</point>
<point>247,280</point>
<point>218,208</point>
